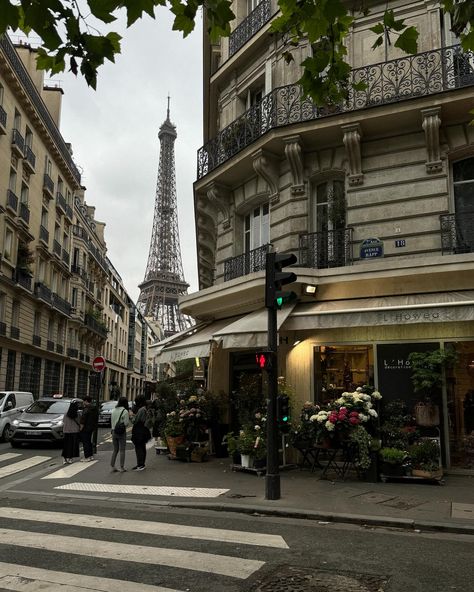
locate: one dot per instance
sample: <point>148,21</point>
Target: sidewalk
<point>408,505</point>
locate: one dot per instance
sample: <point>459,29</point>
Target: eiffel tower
<point>164,278</point>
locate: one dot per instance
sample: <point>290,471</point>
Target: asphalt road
<point>68,544</point>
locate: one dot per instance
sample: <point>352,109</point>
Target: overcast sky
<point>114,135</point>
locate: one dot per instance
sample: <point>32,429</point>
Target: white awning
<point>439,307</point>
<point>249,331</point>
<point>192,343</point>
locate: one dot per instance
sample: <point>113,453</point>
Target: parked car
<point>12,404</point>
<point>42,421</point>
<point>105,412</point>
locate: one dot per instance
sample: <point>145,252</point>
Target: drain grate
<point>296,579</point>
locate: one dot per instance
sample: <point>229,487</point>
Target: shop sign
<point>371,248</point>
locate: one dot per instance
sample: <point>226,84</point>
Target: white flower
<point>329,426</point>
<point>373,413</point>
<point>359,389</point>
<point>376,395</point>
<point>257,428</point>
<point>369,405</point>
<point>363,417</point>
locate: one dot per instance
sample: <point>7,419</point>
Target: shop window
<point>341,368</point>
<point>463,190</point>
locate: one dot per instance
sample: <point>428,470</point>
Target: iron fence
<point>457,233</point>
<point>246,263</point>
<point>321,250</point>
<point>249,26</point>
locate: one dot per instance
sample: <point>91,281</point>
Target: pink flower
<point>354,414</point>
<point>354,420</point>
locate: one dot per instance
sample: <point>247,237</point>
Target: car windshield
<point>108,405</point>
<point>43,406</point>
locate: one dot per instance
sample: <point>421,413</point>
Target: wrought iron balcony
<point>22,278</point>
<point>80,232</point>
<point>18,143</point>
<point>72,352</point>
<point>44,235</point>
<point>76,269</point>
<point>97,256</point>
<point>249,26</point>
<point>61,304</point>
<point>57,248</point>
<point>66,257</point>
<point>59,348</point>
<point>50,345</point>
<point>14,332</point>
<point>246,263</point>
<point>24,212</point>
<point>410,77</point>
<point>36,340</point>
<point>33,94</point>
<point>48,186</point>
<point>457,233</point>
<point>95,326</point>
<point>30,159</point>
<point>3,120</point>
<point>69,212</point>
<point>60,202</point>
<point>3,328</point>
<point>321,250</point>
<point>43,292</point>
<point>12,201</point>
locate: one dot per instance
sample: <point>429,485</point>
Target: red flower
<point>354,420</point>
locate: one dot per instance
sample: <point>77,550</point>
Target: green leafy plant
<point>427,369</point>
<point>425,455</point>
<point>363,440</point>
<point>173,426</point>
<point>393,456</point>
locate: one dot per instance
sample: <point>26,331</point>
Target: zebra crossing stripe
<point>23,578</point>
<point>145,527</point>
<point>22,465</point>
<point>234,567</point>
<point>144,489</point>
<point>68,471</point>
<point>8,456</point>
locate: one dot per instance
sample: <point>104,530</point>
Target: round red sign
<point>98,363</point>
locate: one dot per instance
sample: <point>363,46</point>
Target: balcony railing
<point>37,340</point>
<point>42,291</point>
<point>60,202</point>
<point>33,94</point>
<point>321,250</point>
<point>12,201</point>
<point>3,118</point>
<point>24,212</point>
<point>246,263</point>
<point>61,304</point>
<point>48,185</point>
<point>76,269</point>
<point>14,332</point>
<point>249,26</point>
<point>72,352</point>
<point>50,345</point>
<point>389,82</point>
<point>69,212</point>
<point>3,328</point>
<point>59,348</point>
<point>457,233</point>
<point>30,159</point>
<point>44,235</point>
<point>18,143</point>
<point>57,250</point>
<point>95,326</point>
<point>66,257</point>
<point>23,278</point>
<point>79,232</point>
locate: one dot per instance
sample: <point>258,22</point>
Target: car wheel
<point>7,433</point>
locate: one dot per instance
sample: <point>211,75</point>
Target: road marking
<point>8,456</point>
<point>68,471</point>
<point>22,465</point>
<point>145,489</point>
<point>234,567</point>
<point>145,527</point>
<point>23,578</point>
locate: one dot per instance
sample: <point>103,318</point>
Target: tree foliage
<point>69,34</point>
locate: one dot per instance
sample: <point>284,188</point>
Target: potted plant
<point>425,459</point>
<point>174,432</point>
<point>393,461</point>
<point>249,443</point>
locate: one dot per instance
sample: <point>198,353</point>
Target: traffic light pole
<point>272,477</point>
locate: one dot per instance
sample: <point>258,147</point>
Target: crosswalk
<point>19,465</point>
<point>160,556</point>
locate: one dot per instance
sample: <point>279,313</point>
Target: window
<point>60,185</point>
<point>37,324</point>
<point>1,94</point>
<point>24,193</point>
<point>54,282</point>
<point>3,304</point>
<point>57,232</point>
<point>8,247</point>
<point>50,330</point>
<point>60,332</point>
<point>74,298</point>
<point>41,270</point>
<point>48,166</point>
<point>44,218</point>
<point>17,121</point>
<point>252,5</point>
<point>12,181</point>
<point>28,137</point>
<point>463,191</point>
<point>257,228</point>
<point>15,313</point>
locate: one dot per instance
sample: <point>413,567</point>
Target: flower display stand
<point>173,442</point>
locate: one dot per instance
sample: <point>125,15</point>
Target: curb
<point>332,517</point>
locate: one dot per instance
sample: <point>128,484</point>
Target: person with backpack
<point>119,421</point>
<point>140,432</point>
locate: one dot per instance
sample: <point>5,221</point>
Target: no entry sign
<point>98,363</point>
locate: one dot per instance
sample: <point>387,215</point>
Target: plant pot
<point>427,474</point>
<point>199,453</point>
<point>173,442</point>
<point>392,470</point>
<point>246,461</point>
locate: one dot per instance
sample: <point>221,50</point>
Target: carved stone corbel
<point>294,155</point>
<point>352,135</point>
<point>431,124</point>
<point>266,166</point>
<point>219,195</point>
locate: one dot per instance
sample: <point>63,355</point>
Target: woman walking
<point>140,433</point>
<point>71,428</point>
<point>119,422</point>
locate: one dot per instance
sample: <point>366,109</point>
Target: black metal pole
<point>272,477</point>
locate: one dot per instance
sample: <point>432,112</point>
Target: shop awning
<point>249,331</point>
<point>439,307</point>
<point>192,343</point>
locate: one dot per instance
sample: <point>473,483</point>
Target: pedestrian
<point>119,421</point>
<point>89,421</point>
<point>140,433</point>
<point>71,427</point>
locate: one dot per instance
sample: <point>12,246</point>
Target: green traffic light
<point>279,301</point>
<point>285,418</point>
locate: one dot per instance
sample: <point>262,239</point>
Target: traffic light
<point>263,360</point>
<point>275,278</point>
<point>283,412</point>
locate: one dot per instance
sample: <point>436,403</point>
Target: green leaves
<point>408,40</point>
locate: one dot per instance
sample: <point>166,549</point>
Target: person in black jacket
<point>89,421</point>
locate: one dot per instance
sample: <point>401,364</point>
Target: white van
<point>12,403</point>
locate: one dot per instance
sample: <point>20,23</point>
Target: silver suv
<point>41,422</point>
